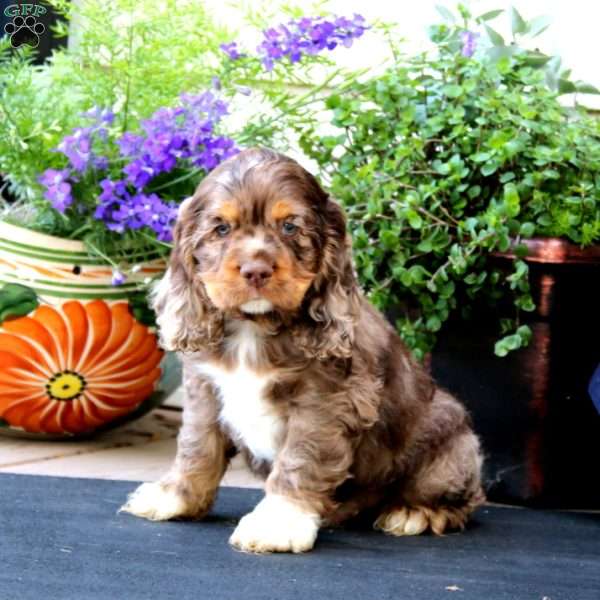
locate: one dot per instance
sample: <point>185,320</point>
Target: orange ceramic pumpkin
<point>72,368</point>
<point>77,353</point>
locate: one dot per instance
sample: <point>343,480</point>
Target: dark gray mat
<point>62,538</point>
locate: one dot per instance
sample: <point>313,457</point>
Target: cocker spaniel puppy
<point>285,361</point>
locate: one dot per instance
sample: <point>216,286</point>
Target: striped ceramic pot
<point>77,354</point>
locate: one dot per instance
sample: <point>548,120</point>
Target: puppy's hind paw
<point>417,520</point>
<point>156,502</point>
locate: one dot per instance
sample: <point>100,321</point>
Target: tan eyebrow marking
<point>281,210</point>
<point>229,211</point>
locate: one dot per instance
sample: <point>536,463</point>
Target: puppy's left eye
<point>289,228</point>
<point>223,229</point>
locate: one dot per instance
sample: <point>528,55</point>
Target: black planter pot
<point>539,427</point>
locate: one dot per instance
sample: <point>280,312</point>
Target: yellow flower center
<point>65,386</point>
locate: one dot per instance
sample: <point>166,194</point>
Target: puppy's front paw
<point>157,502</point>
<point>276,525</point>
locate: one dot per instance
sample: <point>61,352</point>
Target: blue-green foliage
<point>448,157</point>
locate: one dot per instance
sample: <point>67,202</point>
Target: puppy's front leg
<point>189,489</point>
<point>312,463</point>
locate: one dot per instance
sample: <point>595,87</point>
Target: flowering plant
<point>117,174</point>
<point>172,140</point>
<point>451,156</point>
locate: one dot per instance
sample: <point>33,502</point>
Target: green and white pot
<point>77,354</point>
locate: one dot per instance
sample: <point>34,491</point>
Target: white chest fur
<point>245,411</point>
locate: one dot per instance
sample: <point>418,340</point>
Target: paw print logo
<point>24,31</point>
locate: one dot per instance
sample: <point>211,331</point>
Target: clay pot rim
<point>554,250</point>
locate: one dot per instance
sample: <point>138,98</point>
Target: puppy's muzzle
<point>256,272</point>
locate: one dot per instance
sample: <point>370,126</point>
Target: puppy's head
<point>259,236</point>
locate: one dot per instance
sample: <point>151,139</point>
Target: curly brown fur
<point>287,361</point>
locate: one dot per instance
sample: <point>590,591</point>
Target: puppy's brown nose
<point>256,272</point>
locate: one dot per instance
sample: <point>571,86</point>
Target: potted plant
<point>473,199</point>
<point>99,163</point>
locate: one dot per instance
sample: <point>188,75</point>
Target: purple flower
<point>100,163</point>
<point>308,36</point>
<point>231,50</point>
<point>243,89</point>
<point>177,137</point>
<point>99,115</point>
<point>139,173</point>
<point>78,148</point>
<point>60,196</point>
<point>207,103</point>
<point>110,189</point>
<point>469,40</point>
<point>118,278</point>
<point>58,188</point>
<point>51,177</point>
<point>120,210</point>
<point>129,144</point>
<point>171,140</point>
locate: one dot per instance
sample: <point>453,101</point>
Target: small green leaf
<point>406,278</point>
<point>512,201</point>
<point>536,59</point>
<point>489,168</point>
<point>389,239</point>
<point>513,341</point>
<point>503,242</point>
<point>538,25</point>
<point>446,14</point>
<point>544,220</point>
<point>139,307</point>
<point>500,348</point>
<point>414,219</point>
<point>508,343</point>
<point>518,24</point>
<point>418,273</point>
<point>494,36</point>
<point>447,290</point>
<point>525,332</point>
<point>425,245</point>
<point>481,157</point>
<point>565,86</point>
<point>488,16</point>
<point>453,90</point>
<point>526,303</point>
<point>586,88</point>
<point>474,191</point>
<point>333,101</point>
<point>16,300</point>
<point>527,229</point>
<point>520,250</point>
<point>434,323</point>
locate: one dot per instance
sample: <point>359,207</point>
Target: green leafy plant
<point>450,156</point>
<point>132,57</point>
<point>105,140</point>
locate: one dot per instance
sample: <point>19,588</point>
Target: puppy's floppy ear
<point>186,318</point>
<point>333,302</point>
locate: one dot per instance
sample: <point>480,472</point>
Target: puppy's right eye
<point>223,229</point>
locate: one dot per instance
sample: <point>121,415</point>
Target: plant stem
<point>129,61</point>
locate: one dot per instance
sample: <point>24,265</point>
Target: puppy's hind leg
<point>441,494</point>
